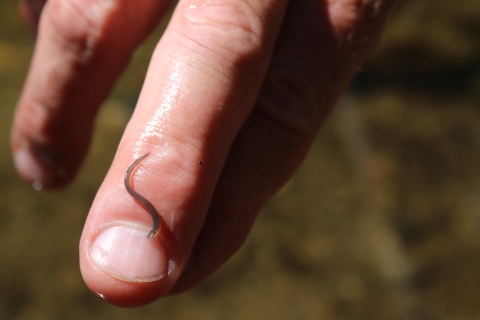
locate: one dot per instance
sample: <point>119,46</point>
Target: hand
<point>235,94</point>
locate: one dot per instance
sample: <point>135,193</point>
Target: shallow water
<point>382,221</point>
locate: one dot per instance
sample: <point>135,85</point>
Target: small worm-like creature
<point>144,202</point>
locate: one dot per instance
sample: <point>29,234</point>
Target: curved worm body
<point>144,202</point>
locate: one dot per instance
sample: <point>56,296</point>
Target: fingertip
<point>119,263</point>
<point>116,292</point>
<point>123,267</point>
<point>40,170</point>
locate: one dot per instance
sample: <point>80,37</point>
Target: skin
<point>239,86</point>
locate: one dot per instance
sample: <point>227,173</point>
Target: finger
<point>201,86</point>
<point>314,59</point>
<point>81,49</point>
<point>30,11</point>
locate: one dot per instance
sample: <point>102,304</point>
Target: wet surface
<point>382,221</point>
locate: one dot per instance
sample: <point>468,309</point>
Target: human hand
<point>235,94</point>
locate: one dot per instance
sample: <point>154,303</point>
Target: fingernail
<point>124,252</point>
<point>29,167</point>
<point>38,167</point>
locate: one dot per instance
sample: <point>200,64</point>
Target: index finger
<point>202,83</point>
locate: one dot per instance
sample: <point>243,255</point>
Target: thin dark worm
<point>144,202</point>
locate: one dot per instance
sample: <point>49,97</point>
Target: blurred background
<point>382,221</point>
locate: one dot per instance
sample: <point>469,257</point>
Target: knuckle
<point>290,112</point>
<point>293,103</point>
<point>232,20</point>
<point>228,27</point>
<point>79,26</point>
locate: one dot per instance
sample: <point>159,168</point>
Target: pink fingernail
<point>124,252</point>
<point>29,167</point>
<point>38,167</point>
